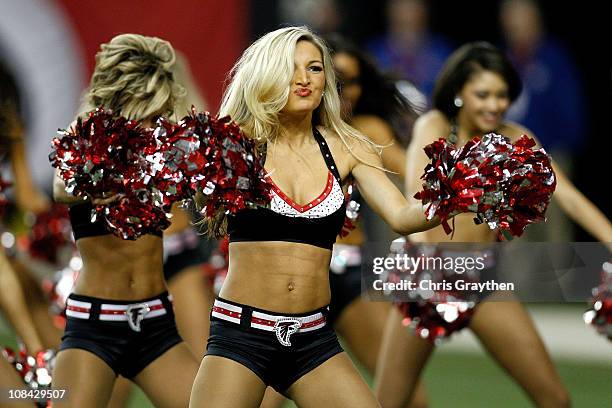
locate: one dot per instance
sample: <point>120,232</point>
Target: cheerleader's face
<point>347,68</point>
<point>485,101</point>
<point>308,82</point>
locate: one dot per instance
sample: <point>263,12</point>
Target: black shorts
<point>127,335</point>
<point>279,349</point>
<point>183,250</point>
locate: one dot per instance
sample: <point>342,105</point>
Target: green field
<point>471,380</point>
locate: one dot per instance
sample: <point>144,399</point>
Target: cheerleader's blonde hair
<point>259,86</point>
<point>133,77</point>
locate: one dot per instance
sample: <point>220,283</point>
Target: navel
<point>290,286</point>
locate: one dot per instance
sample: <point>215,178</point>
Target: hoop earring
<point>458,102</point>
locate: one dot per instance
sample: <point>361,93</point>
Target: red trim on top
<point>318,200</point>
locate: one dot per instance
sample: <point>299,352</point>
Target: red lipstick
<point>303,92</point>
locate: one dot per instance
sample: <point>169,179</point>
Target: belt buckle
<point>135,314</point>
<point>285,327</point>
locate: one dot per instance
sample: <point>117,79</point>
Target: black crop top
<point>316,223</point>
<point>80,218</point>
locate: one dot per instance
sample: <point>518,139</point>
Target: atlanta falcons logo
<point>284,328</point>
<point>135,314</point>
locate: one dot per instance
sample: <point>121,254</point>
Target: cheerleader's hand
<point>105,200</point>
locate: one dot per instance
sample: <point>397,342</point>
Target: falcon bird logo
<point>135,314</point>
<point>284,328</point>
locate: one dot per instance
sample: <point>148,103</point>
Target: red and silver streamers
<point>600,309</point>
<point>106,155</point>
<point>99,154</point>
<point>506,185</point>
<point>178,159</point>
<point>217,159</point>
<point>436,321</point>
<point>48,235</point>
<point>35,370</point>
<point>433,315</point>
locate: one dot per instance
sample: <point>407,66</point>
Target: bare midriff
<point>282,277</point>
<point>117,269</point>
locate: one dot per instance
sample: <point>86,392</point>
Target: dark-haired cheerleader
<point>472,94</point>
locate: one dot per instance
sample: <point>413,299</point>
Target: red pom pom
<point>213,156</point>
<point>108,155</point>
<point>100,154</point>
<point>135,215</point>
<point>436,321</point>
<point>507,186</point>
<point>35,370</point>
<point>431,314</point>
<point>150,169</point>
<point>49,234</point>
<point>600,311</point>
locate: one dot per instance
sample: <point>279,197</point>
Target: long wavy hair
<point>258,89</point>
<point>133,77</point>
